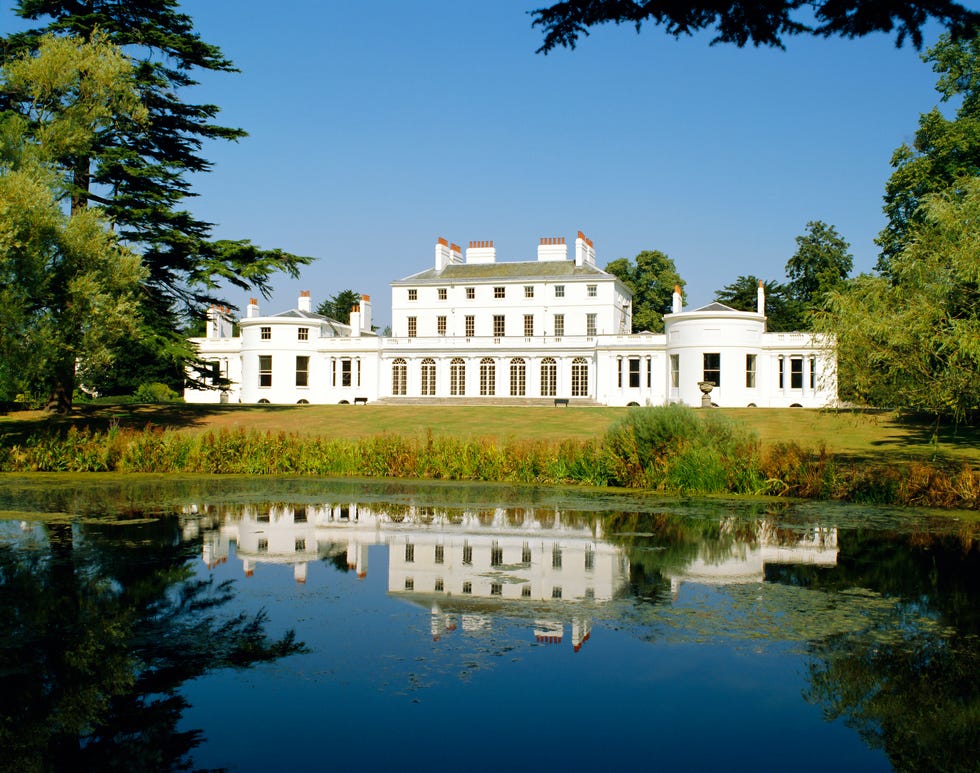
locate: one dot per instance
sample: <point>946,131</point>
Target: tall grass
<point>672,449</point>
<point>677,449</point>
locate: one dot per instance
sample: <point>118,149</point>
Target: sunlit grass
<point>864,435</point>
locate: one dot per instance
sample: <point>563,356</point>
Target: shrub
<point>679,449</point>
<point>155,392</point>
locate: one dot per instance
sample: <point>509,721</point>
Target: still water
<point>269,625</point>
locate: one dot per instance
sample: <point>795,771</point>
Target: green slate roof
<point>527,269</point>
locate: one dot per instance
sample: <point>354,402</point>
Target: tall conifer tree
<point>138,173</point>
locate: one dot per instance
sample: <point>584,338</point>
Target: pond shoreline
<point>726,461</point>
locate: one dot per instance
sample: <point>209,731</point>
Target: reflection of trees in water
<point>891,632</point>
<point>661,544</point>
<point>103,624</point>
<point>908,683</point>
<point>917,698</point>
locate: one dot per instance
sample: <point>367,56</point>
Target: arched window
<point>488,377</point>
<point>428,376</point>
<point>549,377</point>
<point>518,377</point>
<point>399,377</point>
<point>457,376</point>
<point>580,377</point>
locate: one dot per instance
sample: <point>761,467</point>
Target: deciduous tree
<point>912,339</point>
<point>652,278</point>
<point>820,265</point>
<point>944,149</point>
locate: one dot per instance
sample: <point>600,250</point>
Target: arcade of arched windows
<point>548,377</point>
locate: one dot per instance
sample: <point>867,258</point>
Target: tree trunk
<point>62,388</point>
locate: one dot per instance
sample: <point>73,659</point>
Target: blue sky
<point>377,127</point>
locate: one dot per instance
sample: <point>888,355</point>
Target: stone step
<point>577,402</point>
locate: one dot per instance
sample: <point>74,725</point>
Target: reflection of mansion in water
<point>468,565</point>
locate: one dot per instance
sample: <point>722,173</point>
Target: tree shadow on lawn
<point>100,418</point>
<point>921,438</point>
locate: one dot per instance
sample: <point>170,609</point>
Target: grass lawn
<point>880,436</point>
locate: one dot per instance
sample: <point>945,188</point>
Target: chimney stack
<point>219,322</point>
<point>304,301</point>
<point>253,308</point>
<point>366,313</point>
<point>442,254</point>
<point>760,303</point>
<point>678,300</point>
<point>584,251</point>
<point>481,252</point>
<point>360,317</point>
<point>552,248</point>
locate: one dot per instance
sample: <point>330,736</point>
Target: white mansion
<point>471,328</point>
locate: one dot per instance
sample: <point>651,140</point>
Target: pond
<point>151,623</point>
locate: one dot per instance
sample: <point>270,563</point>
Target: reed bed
<point>673,450</point>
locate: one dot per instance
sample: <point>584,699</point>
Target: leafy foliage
<point>944,150</point>
<point>651,278</point>
<point>761,24</point>
<point>137,170</point>
<point>101,634</point>
<point>338,307</point>
<point>913,339</point>
<point>67,287</point>
<point>782,311</point>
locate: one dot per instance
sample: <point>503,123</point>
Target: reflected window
<point>496,554</point>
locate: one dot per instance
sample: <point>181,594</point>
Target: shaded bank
<point>671,450</point>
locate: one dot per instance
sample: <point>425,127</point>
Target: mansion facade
<point>472,328</point>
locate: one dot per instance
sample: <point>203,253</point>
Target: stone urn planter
<point>706,387</point>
